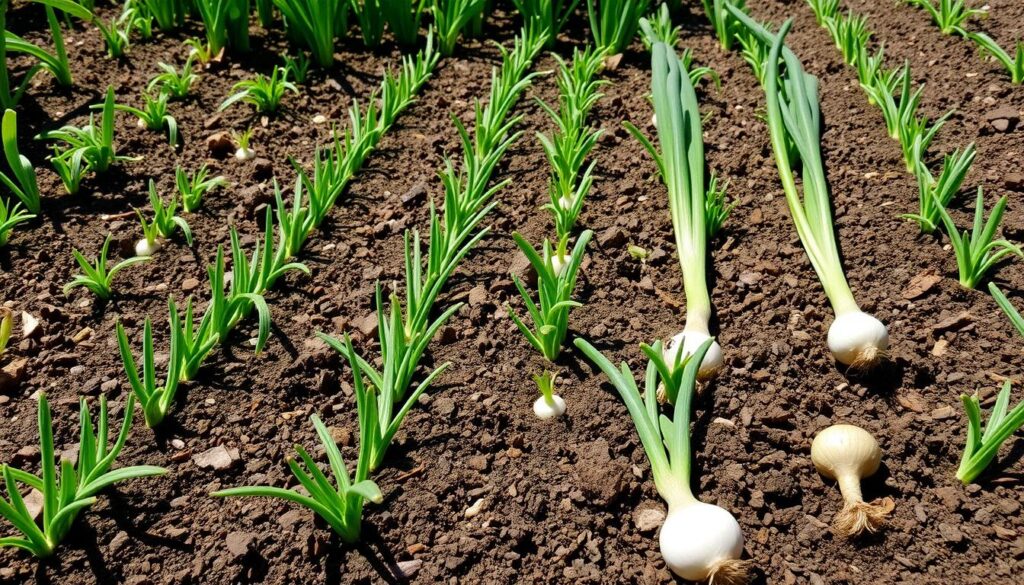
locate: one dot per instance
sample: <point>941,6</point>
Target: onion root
<point>730,572</point>
<point>858,517</point>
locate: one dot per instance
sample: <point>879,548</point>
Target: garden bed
<point>568,500</point>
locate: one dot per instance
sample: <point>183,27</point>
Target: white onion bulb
<point>145,249</point>
<point>858,339</point>
<point>545,409</point>
<point>691,342</point>
<point>699,540</point>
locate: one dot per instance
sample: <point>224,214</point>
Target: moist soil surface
<point>569,501</point>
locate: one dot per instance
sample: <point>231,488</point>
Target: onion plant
<point>934,193</point>
<point>978,251</point>
<point>1004,304</point>
<point>698,541</point>
<point>614,23</point>
<point>225,23</point>
<point>193,188</point>
<point>163,224</point>
<point>387,399</point>
<point>71,167</point>
<point>451,17</point>
<point>92,144</point>
<point>949,15</point>
<point>658,27</point>
<point>10,216</point>
<point>22,181</point>
<point>900,113</point>
<point>117,33</point>
<point>78,484</point>
<point>297,67</point>
<point>855,338</point>
<point>97,277</point>
<point>549,15</point>
<point>569,145</point>
<point>850,34</point>
<point>314,23</point>
<point>153,115</point>
<point>55,63</point>
<point>199,50</point>
<point>722,21</point>
<point>176,84</point>
<point>717,205</point>
<point>824,10</point>
<point>1014,64</point>
<point>983,444</point>
<point>754,52</point>
<point>262,92</point>
<point>555,286</point>
<point>681,165</point>
<point>339,504</point>
<point>871,68</point>
<point>243,141</point>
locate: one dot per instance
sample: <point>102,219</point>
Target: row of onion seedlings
<point>566,150</point>
<point>385,396</point>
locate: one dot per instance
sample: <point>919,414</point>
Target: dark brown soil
<point>560,500</point>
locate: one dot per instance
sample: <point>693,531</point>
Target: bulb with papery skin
<point>857,339</point>
<point>698,539</point>
<point>146,248</point>
<point>690,341</point>
<point>545,409</point>
<point>245,153</point>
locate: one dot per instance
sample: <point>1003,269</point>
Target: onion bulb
<point>710,552</point>
<point>549,405</point>
<point>244,153</point>
<point>847,454</point>
<point>546,408</point>
<point>688,341</point>
<point>146,248</point>
<point>858,339</point>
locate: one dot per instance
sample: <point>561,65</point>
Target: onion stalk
<point>698,541</point>
<point>855,338</point>
<point>681,166</point>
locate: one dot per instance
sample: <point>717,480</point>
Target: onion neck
<point>695,287</point>
<point>676,493</point>
<point>842,300</point>
<point>849,486</point>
